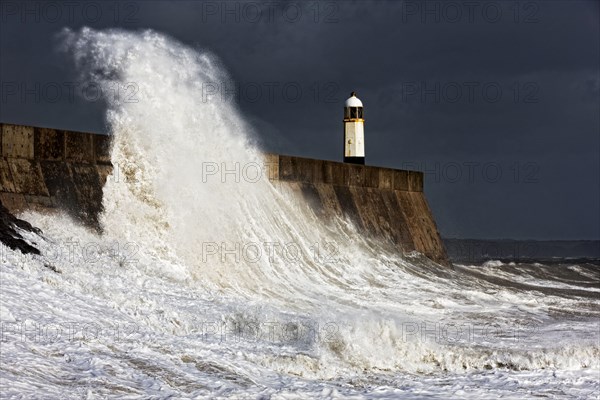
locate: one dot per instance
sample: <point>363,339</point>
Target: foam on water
<point>173,320</point>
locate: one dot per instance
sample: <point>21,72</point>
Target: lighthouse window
<point>353,112</point>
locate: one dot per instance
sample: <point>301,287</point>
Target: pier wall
<point>43,168</point>
<point>383,203</point>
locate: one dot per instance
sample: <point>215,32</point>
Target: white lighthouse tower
<point>354,131</point>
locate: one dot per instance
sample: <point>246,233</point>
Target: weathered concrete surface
<point>44,168</point>
<point>384,203</point>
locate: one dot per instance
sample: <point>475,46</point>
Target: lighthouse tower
<point>354,131</point>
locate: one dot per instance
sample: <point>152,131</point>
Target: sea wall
<point>383,203</point>
<point>44,168</point>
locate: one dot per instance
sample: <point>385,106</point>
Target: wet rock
<point>9,232</point>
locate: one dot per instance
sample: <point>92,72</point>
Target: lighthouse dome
<point>353,101</point>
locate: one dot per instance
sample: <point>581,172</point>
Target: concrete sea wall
<point>43,168</point>
<point>384,203</point>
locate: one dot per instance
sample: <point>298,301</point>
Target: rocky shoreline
<point>9,232</point>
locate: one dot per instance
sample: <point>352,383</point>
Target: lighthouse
<point>354,131</point>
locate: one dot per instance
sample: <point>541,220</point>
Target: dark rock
<point>9,234</point>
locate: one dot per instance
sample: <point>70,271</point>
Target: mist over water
<point>229,286</point>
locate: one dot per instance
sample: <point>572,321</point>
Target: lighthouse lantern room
<point>354,131</point>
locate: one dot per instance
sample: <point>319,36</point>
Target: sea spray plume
<point>162,142</point>
<point>166,134</point>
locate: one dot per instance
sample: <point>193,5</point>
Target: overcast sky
<point>498,101</point>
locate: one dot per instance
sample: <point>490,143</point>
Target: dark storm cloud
<point>497,101</point>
